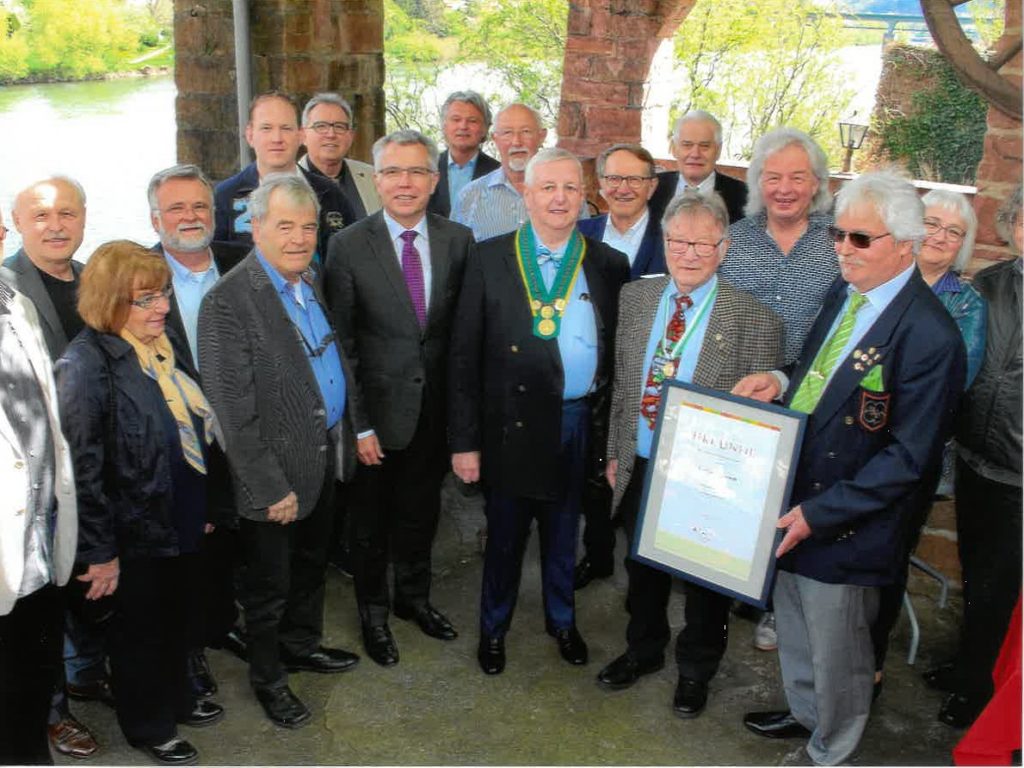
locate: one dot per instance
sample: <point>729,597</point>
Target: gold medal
<point>669,369</point>
<point>535,305</point>
<point>546,327</point>
<point>547,312</point>
<point>560,305</point>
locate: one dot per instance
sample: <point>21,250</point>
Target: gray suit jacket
<point>19,272</point>
<point>258,379</point>
<point>399,367</point>
<point>743,336</point>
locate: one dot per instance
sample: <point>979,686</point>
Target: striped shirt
<point>793,285</point>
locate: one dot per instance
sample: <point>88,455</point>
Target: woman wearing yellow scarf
<point>139,427</point>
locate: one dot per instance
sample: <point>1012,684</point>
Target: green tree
<point>88,39</point>
<point>759,64</point>
<point>13,47</point>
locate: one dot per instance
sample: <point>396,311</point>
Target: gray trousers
<point>827,660</point>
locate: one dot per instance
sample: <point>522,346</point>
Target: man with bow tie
<point>531,344</point>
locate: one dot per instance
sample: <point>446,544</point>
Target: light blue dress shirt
<point>422,243</point>
<point>577,337</point>
<point>189,289</point>
<point>629,242</point>
<point>308,317</point>
<point>691,352</point>
<point>459,175</point>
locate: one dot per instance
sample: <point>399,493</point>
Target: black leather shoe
<point>941,678</point>
<point>283,707</point>
<point>97,691</point>
<point>324,660</point>
<point>775,725</point>
<point>586,572</point>
<point>430,620</point>
<point>959,711</point>
<point>380,645</point>
<point>199,676</point>
<point>626,670</point>
<point>690,698</point>
<point>177,751</point>
<point>571,645</point>
<point>204,713</point>
<point>491,655</point>
<point>234,642</point>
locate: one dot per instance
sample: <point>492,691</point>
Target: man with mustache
<point>50,216</point>
<point>493,204</point>
<point>328,128</point>
<point>465,120</point>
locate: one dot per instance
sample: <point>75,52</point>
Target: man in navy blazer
<point>465,121</point>
<point>879,377</point>
<point>696,146</point>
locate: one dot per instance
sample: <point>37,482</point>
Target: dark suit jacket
<point>742,337</point>
<point>650,257</point>
<point>225,256</point>
<point>398,366</point>
<point>440,201</point>
<point>733,192</point>
<point>21,274</point>
<point>258,379</point>
<point>505,383</point>
<point>864,453</point>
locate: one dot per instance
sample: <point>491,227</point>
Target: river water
<point>110,135</point>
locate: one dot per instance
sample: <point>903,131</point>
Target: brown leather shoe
<point>71,738</point>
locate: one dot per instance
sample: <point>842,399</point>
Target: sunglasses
<point>859,240</point>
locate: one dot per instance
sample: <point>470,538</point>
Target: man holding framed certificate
<point>879,376</point>
<point>691,326</point>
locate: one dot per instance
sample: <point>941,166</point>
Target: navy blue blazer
<point>440,201</point>
<point>650,257</point>
<point>865,453</point>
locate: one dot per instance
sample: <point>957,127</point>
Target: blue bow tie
<point>544,256</point>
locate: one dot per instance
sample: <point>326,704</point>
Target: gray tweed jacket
<point>743,336</point>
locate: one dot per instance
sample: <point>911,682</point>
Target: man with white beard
<point>493,205</point>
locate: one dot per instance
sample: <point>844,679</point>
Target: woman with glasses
<point>138,427</point>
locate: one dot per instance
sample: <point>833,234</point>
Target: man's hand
<point>758,386</point>
<point>611,469</point>
<point>285,511</point>
<point>796,527</point>
<point>369,450</point>
<point>466,466</point>
<point>103,578</point>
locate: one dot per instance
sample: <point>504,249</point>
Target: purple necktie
<point>412,268</point>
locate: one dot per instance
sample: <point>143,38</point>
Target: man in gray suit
<point>392,282</point>
<point>277,380</point>
<point>694,327</point>
<point>50,216</point>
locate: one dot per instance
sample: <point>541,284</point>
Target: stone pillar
<point>608,53</point>
<point>1000,168</point>
<point>298,46</point>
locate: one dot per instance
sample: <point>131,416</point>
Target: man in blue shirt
<point>465,120</point>
<point>276,377</point>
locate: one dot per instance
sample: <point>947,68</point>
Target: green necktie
<point>807,396</point>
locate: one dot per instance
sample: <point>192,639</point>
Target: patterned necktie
<point>661,363</point>
<point>412,269</point>
<point>813,385</point>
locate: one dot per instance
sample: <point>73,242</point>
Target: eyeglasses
<point>932,227</point>
<point>322,127</point>
<point>394,172</point>
<point>150,299</point>
<point>700,247</point>
<point>324,345</point>
<point>633,182</point>
<point>859,240</point>
<point>523,133</point>
<point>180,209</point>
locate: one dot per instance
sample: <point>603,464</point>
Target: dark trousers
<point>31,636</point>
<point>702,641</point>
<point>148,645</point>
<point>395,508</point>
<point>508,529</point>
<point>283,593</point>
<point>598,530</point>
<point>219,558</point>
<point>988,527</point>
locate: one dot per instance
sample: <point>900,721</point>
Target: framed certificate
<point>719,478</point>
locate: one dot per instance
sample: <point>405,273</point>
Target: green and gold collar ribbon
<point>548,306</point>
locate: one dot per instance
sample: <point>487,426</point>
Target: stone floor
<point>436,708</point>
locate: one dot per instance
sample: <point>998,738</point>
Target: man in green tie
<point>879,377</point>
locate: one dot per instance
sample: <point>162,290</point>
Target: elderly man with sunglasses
<point>879,377</point>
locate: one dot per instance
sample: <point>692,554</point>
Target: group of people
<point>315,335</point>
